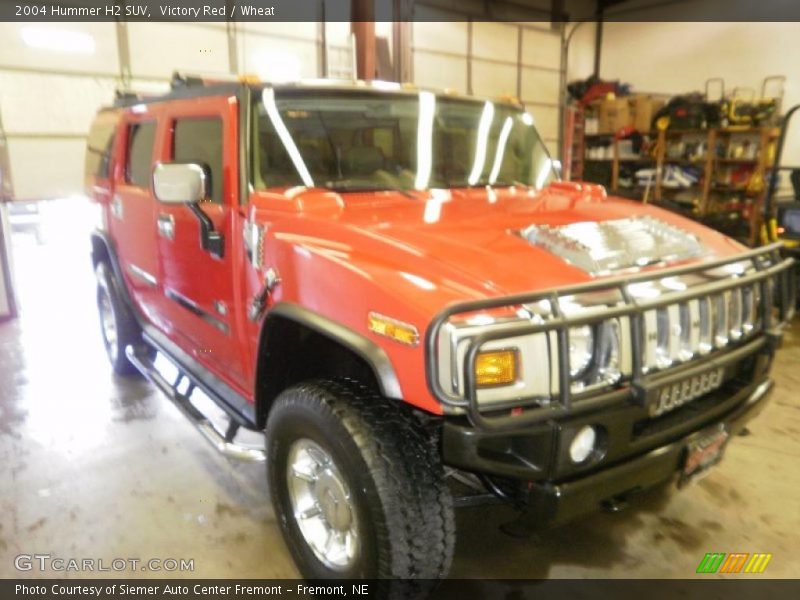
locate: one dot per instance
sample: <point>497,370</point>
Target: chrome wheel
<point>108,323</point>
<point>322,505</point>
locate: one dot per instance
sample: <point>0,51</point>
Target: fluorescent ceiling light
<point>58,40</point>
<point>427,108</point>
<point>480,147</point>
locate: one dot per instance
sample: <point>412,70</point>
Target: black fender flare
<point>100,239</point>
<point>372,354</point>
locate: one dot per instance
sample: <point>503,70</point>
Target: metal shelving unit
<point>713,194</point>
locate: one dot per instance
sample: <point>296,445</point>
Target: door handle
<point>166,226</point>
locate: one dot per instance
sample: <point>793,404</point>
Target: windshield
<point>373,141</point>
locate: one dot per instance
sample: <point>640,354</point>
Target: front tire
<point>357,485</point>
<point>117,324</point>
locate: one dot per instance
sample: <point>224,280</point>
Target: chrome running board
<point>222,442</point>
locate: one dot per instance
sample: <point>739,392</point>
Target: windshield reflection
<point>360,141</point>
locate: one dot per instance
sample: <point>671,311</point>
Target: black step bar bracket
<point>223,442</point>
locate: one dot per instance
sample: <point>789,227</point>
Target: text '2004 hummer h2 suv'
<point>395,286</point>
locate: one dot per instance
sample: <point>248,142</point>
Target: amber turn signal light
<point>495,367</point>
<point>405,333</point>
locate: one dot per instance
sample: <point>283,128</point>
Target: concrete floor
<point>96,466</point>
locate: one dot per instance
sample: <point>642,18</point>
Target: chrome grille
<point>666,318</point>
<point>680,332</point>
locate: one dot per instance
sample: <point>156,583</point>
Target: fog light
<point>583,444</point>
<point>496,367</point>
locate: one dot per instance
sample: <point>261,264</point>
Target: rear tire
<point>381,463</point>
<point>117,324</point>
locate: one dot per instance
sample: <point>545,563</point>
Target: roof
<point>195,86</point>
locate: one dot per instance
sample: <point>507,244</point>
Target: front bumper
<point>554,503</point>
<point>639,451</point>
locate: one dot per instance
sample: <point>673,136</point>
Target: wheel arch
<point>296,344</point>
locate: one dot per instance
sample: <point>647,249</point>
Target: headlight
<point>594,355</point>
<point>581,349</point>
<point>521,369</point>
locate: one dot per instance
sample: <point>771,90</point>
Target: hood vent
<point>605,247</point>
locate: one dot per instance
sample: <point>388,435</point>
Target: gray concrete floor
<point>96,466</point>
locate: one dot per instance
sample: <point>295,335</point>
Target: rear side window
<point>200,141</point>
<point>141,137</point>
<point>98,150</point>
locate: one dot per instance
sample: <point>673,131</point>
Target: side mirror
<point>180,183</point>
<point>189,184</point>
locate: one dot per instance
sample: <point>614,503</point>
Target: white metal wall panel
<point>442,36</point>
<point>485,59</point>
<point>539,86</point>
<point>276,58</point>
<point>539,92</point>
<point>44,169</point>
<point>16,53</point>
<point>441,72</point>
<point>42,104</point>
<point>159,49</point>
<point>495,41</point>
<point>53,78</point>
<point>493,80</point>
<point>541,48</point>
<point>340,52</point>
<point>546,120</point>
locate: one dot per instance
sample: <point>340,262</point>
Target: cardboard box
<point>643,108</point>
<point>613,115</point>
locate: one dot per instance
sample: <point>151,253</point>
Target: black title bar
<point>742,588</point>
<point>549,11</point>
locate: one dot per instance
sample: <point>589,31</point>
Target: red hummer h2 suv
<point>395,286</point>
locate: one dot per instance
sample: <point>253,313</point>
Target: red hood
<point>468,239</point>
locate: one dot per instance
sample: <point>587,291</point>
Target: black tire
<point>127,330</point>
<point>391,465</point>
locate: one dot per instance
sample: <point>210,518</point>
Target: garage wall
<point>491,59</point>
<point>679,57</point>
<point>54,76</point>
<point>48,96</point>
<point>50,92</point>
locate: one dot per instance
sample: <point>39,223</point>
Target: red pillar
<point>363,27</point>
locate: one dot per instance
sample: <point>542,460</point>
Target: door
<point>131,218</point>
<point>198,285</point>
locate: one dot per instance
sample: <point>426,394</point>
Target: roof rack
<point>184,85</point>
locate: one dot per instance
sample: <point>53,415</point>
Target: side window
<point>141,137</point>
<point>98,151</point>
<point>200,141</point>
<point>105,159</point>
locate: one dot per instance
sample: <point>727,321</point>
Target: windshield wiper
<point>345,186</point>
<point>480,184</point>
